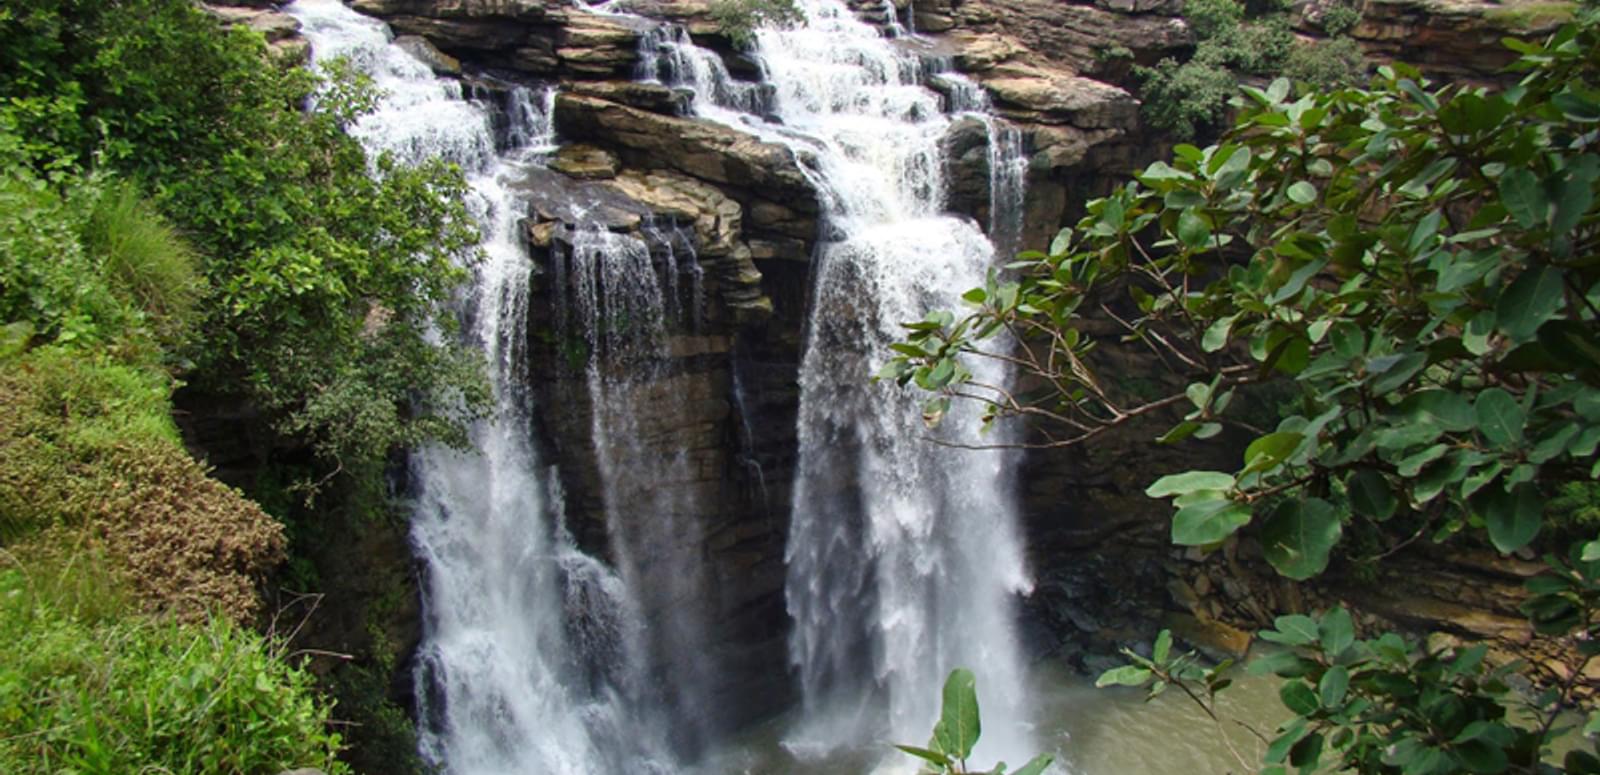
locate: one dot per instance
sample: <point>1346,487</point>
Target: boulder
<point>428,54</point>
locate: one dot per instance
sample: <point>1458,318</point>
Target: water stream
<point>525,664</point>
<point>903,556</point>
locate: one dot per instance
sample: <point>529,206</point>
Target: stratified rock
<point>1452,38</point>
<point>276,26</point>
<point>653,97</point>
<point>1077,35</point>
<point>698,148</point>
<point>585,162</point>
<point>1032,95</point>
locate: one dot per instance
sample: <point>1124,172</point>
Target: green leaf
<point>1216,336</point>
<point>1193,230</point>
<point>926,755</point>
<point>1036,765</point>
<point>1370,495</point>
<point>1062,242</point>
<point>1293,630</point>
<point>1270,451</point>
<point>1333,686</point>
<point>1337,631</point>
<point>958,727</point>
<point>1500,418</point>
<point>1126,675</point>
<point>1299,536</point>
<point>1445,408</point>
<point>1302,192</point>
<point>1396,370</point>
<point>1513,518</point>
<point>1535,297</point>
<point>1523,197</point>
<point>1208,522</point>
<point>1298,697</point>
<point>1162,648</point>
<point>1189,481</point>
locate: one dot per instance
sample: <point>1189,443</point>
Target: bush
<point>1184,99</point>
<point>89,456</point>
<point>1329,64</point>
<point>79,693</point>
<point>47,279</point>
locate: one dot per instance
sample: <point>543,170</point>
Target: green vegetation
<point>1234,40</point>
<point>86,689</point>
<point>321,280</point>
<point>739,19</point>
<point>176,214</point>
<point>1417,265</point>
<point>956,733</point>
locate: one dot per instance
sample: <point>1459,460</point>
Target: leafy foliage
<point>957,730</point>
<point>739,19</point>
<point>1417,263</point>
<point>1233,40</point>
<point>82,693</point>
<point>321,280</point>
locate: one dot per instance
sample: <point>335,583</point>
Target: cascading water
<point>627,300</point>
<point>903,557</point>
<point>525,662</point>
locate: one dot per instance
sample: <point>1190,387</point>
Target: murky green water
<point>1092,731</point>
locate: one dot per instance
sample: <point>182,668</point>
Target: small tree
<point>1417,267</point>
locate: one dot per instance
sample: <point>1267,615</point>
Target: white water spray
<point>524,666</point>
<point>903,558</point>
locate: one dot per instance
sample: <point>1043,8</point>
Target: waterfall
<point>903,556</point>
<point>627,302</point>
<point>524,666</point>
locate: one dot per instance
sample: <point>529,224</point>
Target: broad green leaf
<point>1535,297</point>
<point>1208,522</point>
<point>1189,481</point>
<point>1216,336</point>
<point>1370,495</point>
<point>1445,408</point>
<point>1297,696</point>
<point>1162,648</point>
<point>1270,451</point>
<point>1299,535</point>
<point>1396,372</point>
<point>1062,242</point>
<point>1523,196</point>
<point>1513,518</point>
<point>1338,632</point>
<point>1500,418</point>
<point>1293,630</point>
<point>958,727</point>
<point>1333,686</point>
<point>1126,675</point>
<point>1193,230</point>
<point>1302,192</point>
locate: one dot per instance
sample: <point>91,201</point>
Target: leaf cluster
<point>956,733</point>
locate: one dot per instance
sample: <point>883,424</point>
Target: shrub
<point>84,694</point>
<point>1326,65</point>
<point>739,19</point>
<point>1184,99</point>
<point>89,456</point>
<point>47,279</point>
